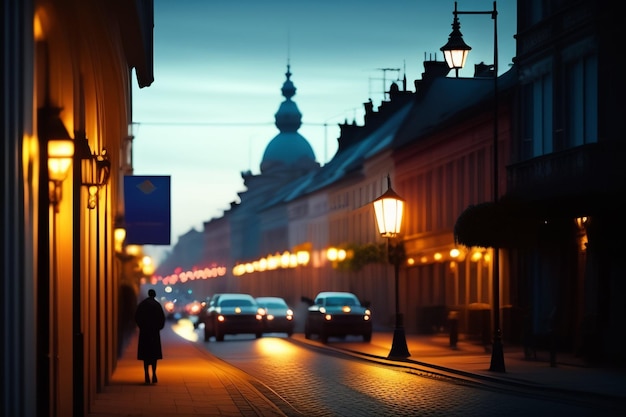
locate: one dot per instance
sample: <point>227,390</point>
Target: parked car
<point>203,317</point>
<point>278,317</point>
<point>337,314</point>
<point>233,313</point>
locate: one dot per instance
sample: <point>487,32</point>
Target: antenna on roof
<point>384,70</point>
<point>404,77</point>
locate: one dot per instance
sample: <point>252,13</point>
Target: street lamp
<point>456,52</point>
<point>389,209</point>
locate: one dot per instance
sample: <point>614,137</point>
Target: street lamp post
<point>455,52</point>
<point>389,209</point>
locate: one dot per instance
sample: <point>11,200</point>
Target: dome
<point>288,149</point>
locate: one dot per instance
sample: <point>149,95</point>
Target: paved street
<point>323,381</point>
<point>192,382</point>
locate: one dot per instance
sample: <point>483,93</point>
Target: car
<point>337,314</point>
<point>203,317</point>
<point>278,317</point>
<point>233,313</point>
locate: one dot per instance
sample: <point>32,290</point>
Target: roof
<point>445,98</point>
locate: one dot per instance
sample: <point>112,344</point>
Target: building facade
<point>60,295</point>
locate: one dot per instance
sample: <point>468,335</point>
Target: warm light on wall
<point>303,257</point>
<point>147,266</point>
<point>133,250</point>
<point>581,223</point>
<point>476,256</point>
<point>119,235</point>
<point>60,154</point>
<point>271,262</point>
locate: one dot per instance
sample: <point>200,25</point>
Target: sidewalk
<point>192,382</point>
<point>471,359</point>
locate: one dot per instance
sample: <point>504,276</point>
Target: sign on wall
<point>147,209</point>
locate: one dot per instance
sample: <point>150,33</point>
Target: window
<point>581,101</point>
<point>537,109</point>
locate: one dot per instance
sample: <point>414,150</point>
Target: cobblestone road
<point>323,384</point>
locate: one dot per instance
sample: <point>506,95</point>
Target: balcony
<point>544,194</point>
<point>590,175</point>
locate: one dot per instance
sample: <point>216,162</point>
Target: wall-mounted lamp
<point>95,171</point>
<point>119,235</point>
<point>581,222</point>
<point>60,148</point>
<point>60,154</point>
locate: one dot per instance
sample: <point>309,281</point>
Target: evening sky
<point>219,66</point>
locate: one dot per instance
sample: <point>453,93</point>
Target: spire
<point>288,117</point>
<point>288,88</point>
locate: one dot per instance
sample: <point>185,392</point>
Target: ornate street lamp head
<point>389,209</point>
<point>456,50</point>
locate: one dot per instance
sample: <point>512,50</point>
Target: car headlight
<point>328,317</point>
<point>270,317</point>
<point>221,318</point>
<point>367,312</point>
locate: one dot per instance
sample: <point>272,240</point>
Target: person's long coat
<point>150,319</point>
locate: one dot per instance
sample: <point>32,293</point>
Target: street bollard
<point>453,322</point>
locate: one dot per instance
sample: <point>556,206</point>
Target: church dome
<point>288,149</point>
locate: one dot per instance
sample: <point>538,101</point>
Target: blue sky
<point>219,66</point>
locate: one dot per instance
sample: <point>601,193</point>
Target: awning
<point>501,225</point>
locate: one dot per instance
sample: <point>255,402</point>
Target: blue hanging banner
<point>147,210</point>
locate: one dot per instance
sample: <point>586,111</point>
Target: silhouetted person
<point>151,319</point>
